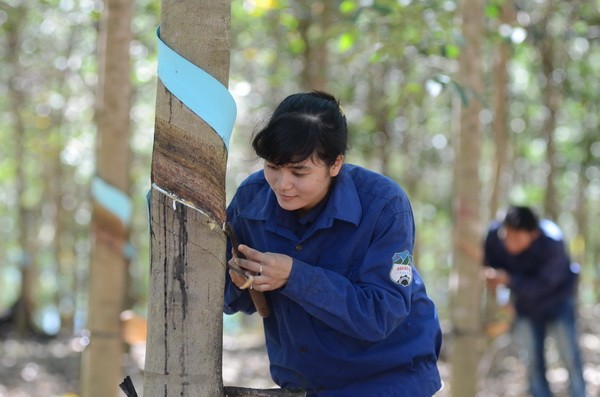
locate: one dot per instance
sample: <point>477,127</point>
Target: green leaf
<point>297,45</point>
<point>492,11</point>
<point>288,20</point>
<point>348,6</point>
<point>413,88</point>
<point>346,42</point>
<point>450,51</point>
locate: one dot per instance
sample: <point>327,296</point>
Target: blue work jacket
<point>354,318</point>
<point>541,277</point>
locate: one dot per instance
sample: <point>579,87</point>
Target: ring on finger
<point>260,269</point>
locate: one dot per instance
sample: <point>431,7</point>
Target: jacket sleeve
<point>493,250</point>
<point>373,306</point>
<point>235,300</point>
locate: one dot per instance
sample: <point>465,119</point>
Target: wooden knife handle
<point>258,298</point>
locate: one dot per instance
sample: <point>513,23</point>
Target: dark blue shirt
<point>540,277</point>
<point>354,318</point>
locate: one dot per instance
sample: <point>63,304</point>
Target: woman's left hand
<point>272,270</point>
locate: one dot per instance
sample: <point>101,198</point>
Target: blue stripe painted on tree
<point>199,91</point>
<point>114,200</point>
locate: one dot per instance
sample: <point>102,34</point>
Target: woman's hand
<point>240,281</point>
<point>271,271</point>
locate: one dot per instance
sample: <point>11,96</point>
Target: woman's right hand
<point>270,270</point>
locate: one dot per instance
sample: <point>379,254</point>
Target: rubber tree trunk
<point>16,99</point>
<point>466,285</point>
<point>500,123</point>
<point>315,19</point>
<point>101,370</point>
<point>495,319</point>
<point>551,54</point>
<point>187,210</point>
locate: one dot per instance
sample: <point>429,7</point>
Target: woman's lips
<point>285,197</point>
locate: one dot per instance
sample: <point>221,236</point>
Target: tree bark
<point>16,98</point>
<point>101,363</point>
<point>465,283</point>
<point>184,345</point>
<point>552,99</point>
<point>232,391</point>
<point>315,18</point>
<point>500,122</point>
<point>495,321</point>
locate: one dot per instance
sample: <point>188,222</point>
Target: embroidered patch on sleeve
<point>401,272</point>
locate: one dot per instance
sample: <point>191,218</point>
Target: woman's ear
<point>334,170</point>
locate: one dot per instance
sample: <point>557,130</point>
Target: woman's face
<point>301,186</point>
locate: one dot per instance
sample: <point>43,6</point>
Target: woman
<point>330,245</point>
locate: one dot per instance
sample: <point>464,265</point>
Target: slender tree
<point>495,321</point>
<point>466,286</point>
<point>16,98</point>
<point>500,121</point>
<point>314,21</point>
<point>549,50</point>
<point>187,210</point>
<point>101,370</point>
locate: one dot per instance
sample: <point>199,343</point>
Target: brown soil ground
<point>48,367</point>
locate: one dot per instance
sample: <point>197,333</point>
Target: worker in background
<point>529,257</point>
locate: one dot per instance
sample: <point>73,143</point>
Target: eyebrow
<point>299,166</point>
<point>294,166</point>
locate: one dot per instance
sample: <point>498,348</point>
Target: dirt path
<point>49,368</point>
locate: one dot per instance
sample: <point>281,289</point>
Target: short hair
<point>303,125</point>
<point>521,218</point>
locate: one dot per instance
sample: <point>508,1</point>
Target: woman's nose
<point>283,181</point>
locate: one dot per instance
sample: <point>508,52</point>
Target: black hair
<point>303,124</point>
<point>521,218</point>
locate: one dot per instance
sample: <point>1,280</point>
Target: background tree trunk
<point>185,304</point>
<point>25,304</point>
<point>101,364</point>
<point>495,321</point>
<point>315,19</point>
<point>552,100</point>
<point>500,122</point>
<point>465,283</point>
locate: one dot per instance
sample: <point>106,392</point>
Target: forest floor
<point>50,367</point>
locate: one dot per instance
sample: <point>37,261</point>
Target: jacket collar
<point>344,203</point>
